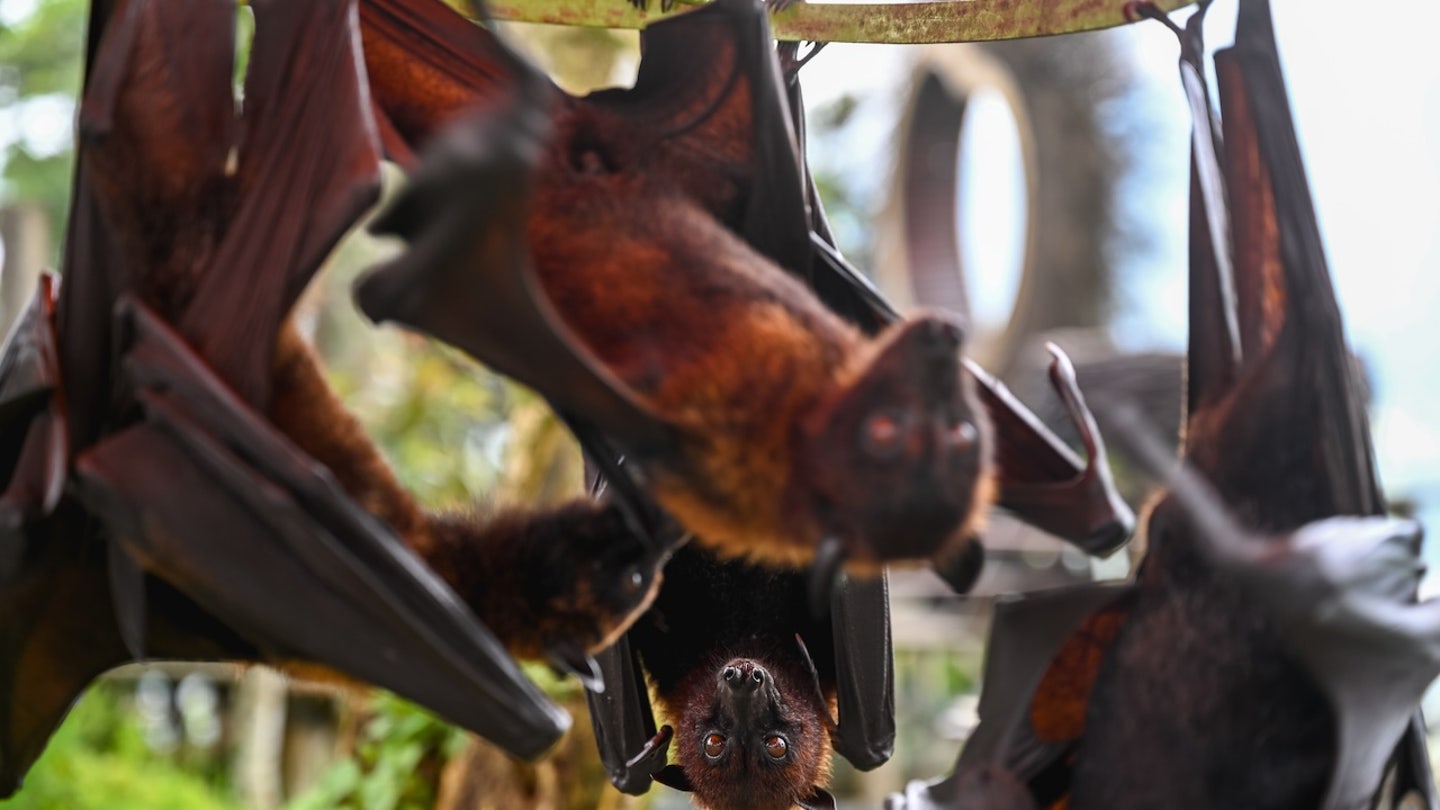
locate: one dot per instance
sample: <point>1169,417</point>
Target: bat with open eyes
<point>757,692</point>
<point>1271,653</point>
<point>654,292</point>
<point>176,478</point>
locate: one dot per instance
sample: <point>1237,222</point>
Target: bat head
<point>753,736</point>
<point>898,458</point>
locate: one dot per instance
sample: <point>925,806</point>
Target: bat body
<point>690,360</point>
<point>791,425</point>
<point>178,481</point>
<point>751,714</point>
<point>1270,654</point>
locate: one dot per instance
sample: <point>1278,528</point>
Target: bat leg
<point>210,498</point>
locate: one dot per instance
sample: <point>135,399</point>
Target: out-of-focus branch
<point>947,21</point>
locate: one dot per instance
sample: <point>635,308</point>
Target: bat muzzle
<point>747,690</point>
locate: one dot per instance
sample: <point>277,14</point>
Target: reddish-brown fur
<point>751,782</point>
<point>524,573</point>
<point>737,354</point>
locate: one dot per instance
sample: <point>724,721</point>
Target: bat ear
<point>819,799</point>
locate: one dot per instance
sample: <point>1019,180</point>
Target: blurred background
<point>1056,170</point>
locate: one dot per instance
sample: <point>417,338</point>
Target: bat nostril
<point>759,675</point>
<point>730,673</point>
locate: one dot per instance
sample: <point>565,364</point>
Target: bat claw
<point>567,658</point>
<point>653,755</point>
<point>825,575</point>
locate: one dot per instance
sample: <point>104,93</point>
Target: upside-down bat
<point>163,430</point>
<point>748,680</point>
<point>752,413</point>
<point>1271,654</point>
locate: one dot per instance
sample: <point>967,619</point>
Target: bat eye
<point>883,433</point>
<point>961,435</point>
<point>633,581</point>
<point>776,747</point>
<point>714,746</point>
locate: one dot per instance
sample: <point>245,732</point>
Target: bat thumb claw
<point>567,658</point>
<point>825,575</point>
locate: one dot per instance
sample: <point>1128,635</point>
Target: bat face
<point>753,738</point>
<point>894,457</point>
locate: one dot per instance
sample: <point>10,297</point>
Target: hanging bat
<point>1333,654</point>
<point>163,431</point>
<point>1271,654</point>
<point>749,409</point>
<point>748,679</point>
<point>758,418</point>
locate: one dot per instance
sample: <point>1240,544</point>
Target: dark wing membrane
<point>709,110</point>
<point>268,541</point>
<point>1027,635</point>
<point>307,168</point>
<point>466,277</point>
<point>1286,294</point>
<point>624,723</point>
<point>864,672</point>
<point>1258,121</point>
<point>161,135</point>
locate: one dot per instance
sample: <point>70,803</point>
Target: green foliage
<point>41,54</point>
<point>396,762</point>
<point>40,59</point>
<point>99,759</point>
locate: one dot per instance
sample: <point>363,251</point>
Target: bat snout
<point>745,676</point>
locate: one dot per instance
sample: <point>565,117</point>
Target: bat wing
<point>286,558</point>
<point>1357,576</point>
<point>864,672</point>
<point>709,108</point>
<point>466,278</point>
<point>307,166</point>
<point>1273,397</point>
<point>1024,658</point>
<point>631,749</point>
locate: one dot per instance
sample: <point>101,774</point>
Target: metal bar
<point>948,21</point>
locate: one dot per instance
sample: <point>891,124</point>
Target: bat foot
<point>568,658</point>
<point>653,756</point>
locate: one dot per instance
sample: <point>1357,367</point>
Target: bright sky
<point>1365,88</point>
